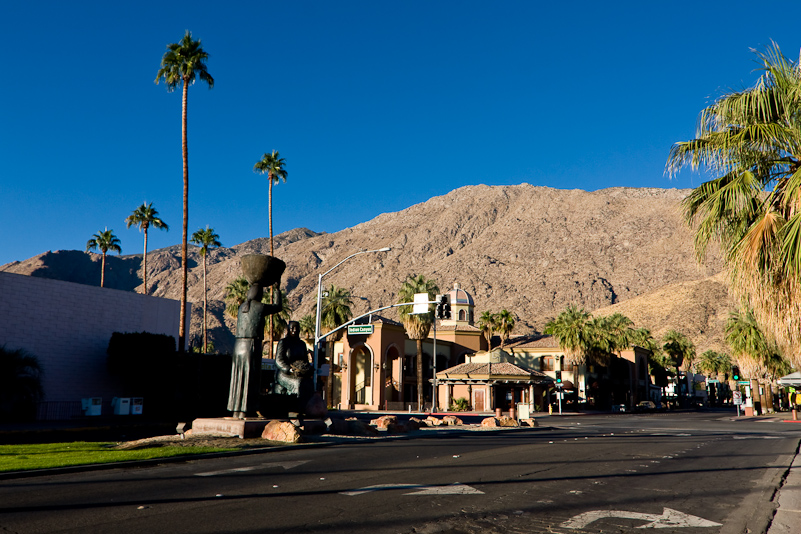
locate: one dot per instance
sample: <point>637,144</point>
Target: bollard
<point>795,415</point>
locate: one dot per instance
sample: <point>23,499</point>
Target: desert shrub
<point>20,384</point>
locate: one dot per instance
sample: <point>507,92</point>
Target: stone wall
<point>68,327</point>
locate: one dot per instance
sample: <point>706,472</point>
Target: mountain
<point>532,250</point>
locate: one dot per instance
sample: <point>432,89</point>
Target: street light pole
<point>319,311</point>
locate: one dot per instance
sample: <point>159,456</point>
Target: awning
<point>793,379</point>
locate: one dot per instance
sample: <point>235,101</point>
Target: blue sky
<point>375,106</point>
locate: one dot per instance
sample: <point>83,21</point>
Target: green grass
<point>47,455</point>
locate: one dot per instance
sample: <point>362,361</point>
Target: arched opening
<point>394,375</point>
<point>361,373</point>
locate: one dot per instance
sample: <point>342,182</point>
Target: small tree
<point>207,239</point>
<point>20,384</point>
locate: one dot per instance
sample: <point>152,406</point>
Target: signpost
<point>360,329</point>
<point>737,398</point>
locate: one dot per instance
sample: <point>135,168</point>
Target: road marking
<point>669,519</point>
<point>285,465</point>
<point>451,489</point>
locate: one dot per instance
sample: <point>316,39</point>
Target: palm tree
<point>714,364</point>
<point>307,326</point>
<point>570,331</point>
<point>105,241</point>
<point>488,324</point>
<point>417,326</point>
<point>751,141</point>
<point>682,353</point>
<point>506,323</point>
<point>335,311</point>
<point>752,349</point>
<point>236,292</point>
<point>181,64</point>
<point>145,216</point>
<point>207,239</point>
<point>20,383</point>
<point>273,165</point>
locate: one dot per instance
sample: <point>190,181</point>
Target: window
<point>547,364</point>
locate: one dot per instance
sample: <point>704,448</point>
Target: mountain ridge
<point>530,249</point>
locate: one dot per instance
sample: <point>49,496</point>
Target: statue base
<point>250,427</point>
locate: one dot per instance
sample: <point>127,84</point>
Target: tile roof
<point>490,370</point>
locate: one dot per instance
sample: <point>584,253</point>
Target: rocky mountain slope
<point>532,250</point>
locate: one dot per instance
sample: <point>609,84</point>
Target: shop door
<point>478,404</point>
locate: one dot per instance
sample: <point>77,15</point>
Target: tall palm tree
<point>105,241</point>
<point>145,216</point>
<point>182,64</point>
<point>750,141</point>
<point>235,293</point>
<point>417,326</point>
<point>506,323</point>
<point>487,322</point>
<point>207,239</point>
<point>273,165</point>
<point>570,331</point>
<point>335,311</point>
<point>715,363</point>
<point>682,353</point>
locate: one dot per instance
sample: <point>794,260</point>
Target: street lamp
<point>319,305</point>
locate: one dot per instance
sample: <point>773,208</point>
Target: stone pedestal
<point>244,428</point>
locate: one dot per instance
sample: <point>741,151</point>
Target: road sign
<point>744,382</point>
<point>737,397</point>
<point>712,381</point>
<point>360,329</point>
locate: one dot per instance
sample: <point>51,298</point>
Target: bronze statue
<point>295,373</point>
<point>260,271</point>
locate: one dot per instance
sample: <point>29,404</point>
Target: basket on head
<point>262,269</point>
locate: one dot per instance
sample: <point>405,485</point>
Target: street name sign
<point>358,329</point>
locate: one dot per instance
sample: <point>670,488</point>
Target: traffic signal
<point>735,373</point>
<point>443,307</point>
<point>558,377</point>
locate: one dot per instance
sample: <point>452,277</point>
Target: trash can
<point>121,405</point>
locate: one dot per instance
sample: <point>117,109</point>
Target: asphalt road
<point>683,473</point>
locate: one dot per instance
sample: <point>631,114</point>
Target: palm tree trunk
<point>270,218</point>
<point>144,263</point>
<point>419,375</point>
<point>184,267</point>
<point>103,269</point>
<point>205,306</point>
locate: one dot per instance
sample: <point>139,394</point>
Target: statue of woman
<point>243,395</point>
<point>295,373</point>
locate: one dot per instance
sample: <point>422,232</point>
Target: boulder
<point>505,420</point>
<point>432,421</point>
<point>337,427</point>
<point>360,428</point>
<point>451,420</point>
<point>415,424</point>
<point>397,428</point>
<point>490,422</point>
<point>316,407</point>
<point>529,422</point>
<point>314,427</point>
<point>283,431</point>
<point>385,421</point>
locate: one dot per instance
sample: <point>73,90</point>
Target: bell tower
<point>461,307</point>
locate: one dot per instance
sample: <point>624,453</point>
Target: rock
<point>316,407</point>
<point>397,428</point>
<point>451,420</point>
<point>490,422</point>
<point>529,422</point>
<point>505,420</point>
<point>283,431</point>
<point>337,427</point>
<point>432,421</point>
<point>360,428</point>
<point>384,421</point>
<point>415,424</point>
<point>314,427</point>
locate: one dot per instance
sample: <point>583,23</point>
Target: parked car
<point>645,407</point>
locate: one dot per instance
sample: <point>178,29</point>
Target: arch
<point>360,374</point>
<point>393,383</point>
<point>462,315</point>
